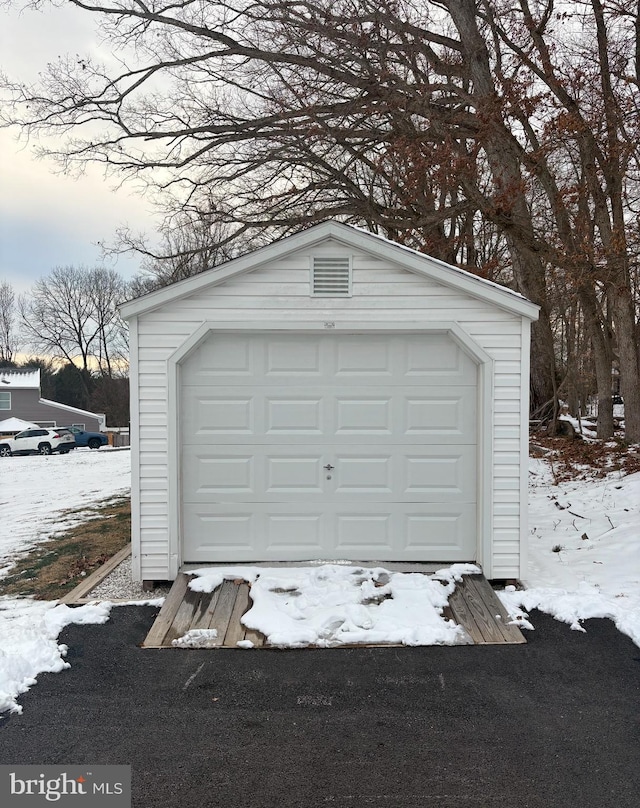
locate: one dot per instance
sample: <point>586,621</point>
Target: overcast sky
<point>46,219</point>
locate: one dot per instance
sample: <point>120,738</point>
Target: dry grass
<point>583,460</point>
<point>55,567</point>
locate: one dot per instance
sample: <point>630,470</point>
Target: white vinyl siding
<point>381,293</point>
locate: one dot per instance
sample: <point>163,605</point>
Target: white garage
<point>331,396</point>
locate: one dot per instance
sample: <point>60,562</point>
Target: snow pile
<point>332,604</point>
<point>196,638</point>
<point>584,550</point>
<point>582,427</point>
<point>28,642</point>
<point>575,607</point>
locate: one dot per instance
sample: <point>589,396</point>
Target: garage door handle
<point>328,467</point>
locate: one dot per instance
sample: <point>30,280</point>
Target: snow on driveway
<point>35,491</point>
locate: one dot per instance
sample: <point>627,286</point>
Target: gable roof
<point>19,379</point>
<point>355,238</point>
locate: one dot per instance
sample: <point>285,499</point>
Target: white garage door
<point>328,446</point>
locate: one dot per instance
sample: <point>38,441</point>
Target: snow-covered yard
<point>36,491</point>
<point>584,549</point>
<point>35,494</point>
<point>584,561</point>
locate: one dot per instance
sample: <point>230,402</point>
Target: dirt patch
<point>55,567</point>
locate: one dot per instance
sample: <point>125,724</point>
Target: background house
<point>20,398</point>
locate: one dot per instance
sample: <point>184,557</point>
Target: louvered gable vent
<point>331,277</point>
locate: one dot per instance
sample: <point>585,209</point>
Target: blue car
<point>94,440</point>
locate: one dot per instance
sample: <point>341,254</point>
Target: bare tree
<point>330,115</point>
<point>192,245</point>
<point>585,159</point>
<point>8,333</point>
<point>72,316</point>
<point>105,288</point>
<point>275,115</point>
<point>441,125</point>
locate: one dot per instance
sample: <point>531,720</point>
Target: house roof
<point>19,379</point>
<point>355,238</point>
<point>75,410</point>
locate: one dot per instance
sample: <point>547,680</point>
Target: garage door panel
<point>297,359</point>
<point>213,415</point>
<point>222,533</point>
<point>419,532</point>
<point>290,476</point>
<point>219,475</point>
<point>231,474</point>
<point>351,360</point>
<point>293,415</point>
<point>253,533</point>
<point>362,415</point>
<point>358,356</point>
<point>441,532</point>
<point>400,474</point>
<point>445,415</point>
<point>285,532</point>
<point>317,415</point>
<point>435,360</point>
<point>357,474</point>
<point>441,474</point>
<point>293,532</point>
<point>362,530</point>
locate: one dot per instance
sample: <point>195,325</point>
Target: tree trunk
<point>613,165</point>
<point>508,208</point>
<point>603,356</point>
<point>542,380</point>
<point>624,320</point>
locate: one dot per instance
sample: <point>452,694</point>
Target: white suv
<point>38,441</point>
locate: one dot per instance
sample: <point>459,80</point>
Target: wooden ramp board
<point>473,605</point>
<point>185,610</point>
<point>476,607</point>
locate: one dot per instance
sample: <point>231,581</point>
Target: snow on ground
<point>29,642</point>
<point>584,561</point>
<point>584,550</point>
<point>36,490</point>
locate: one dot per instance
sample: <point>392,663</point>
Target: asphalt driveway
<point>553,723</point>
